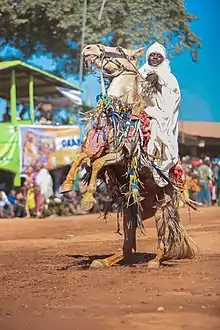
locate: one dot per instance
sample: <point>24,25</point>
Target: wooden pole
<point>82,42</point>
<point>31,97</point>
<point>101,9</point>
<point>13,106</point>
<point>13,103</point>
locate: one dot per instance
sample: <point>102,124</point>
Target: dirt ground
<point>46,282</point>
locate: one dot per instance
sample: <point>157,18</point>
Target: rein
<point>111,57</point>
<point>107,56</point>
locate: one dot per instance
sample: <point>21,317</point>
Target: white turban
<point>163,69</point>
<point>156,48</point>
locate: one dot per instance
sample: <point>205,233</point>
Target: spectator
<point>194,188</point>
<point>45,114</point>
<point>6,115</point>
<point>20,205</point>
<point>13,200</point>
<point>204,178</point>
<point>24,113</point>
<point>215,170</point>
<point>30,205</point>
<point>6,208</point>
<point>44,188</point>
<point>186,164</point>
<point>218,184</point>
<point>30,192</point>
<point>44,181</point>
<point>30,174</point>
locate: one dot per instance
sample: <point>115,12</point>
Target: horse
<point>120,65</point>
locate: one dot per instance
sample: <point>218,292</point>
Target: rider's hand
<point>152,79</point>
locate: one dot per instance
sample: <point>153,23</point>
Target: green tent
<point>21,80</point>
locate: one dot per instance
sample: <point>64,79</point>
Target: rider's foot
<point>66,187</point>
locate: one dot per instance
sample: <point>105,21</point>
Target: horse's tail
<point>179,244</point>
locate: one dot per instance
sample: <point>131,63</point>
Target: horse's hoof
<point>88,202</point>
<point>99,263</point>
<point>66,187</point>
<point>153,264</point>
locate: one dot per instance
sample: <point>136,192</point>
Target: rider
<point>163,108</point>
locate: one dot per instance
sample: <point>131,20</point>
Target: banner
<point>9,148</point>
<point>51,146</point>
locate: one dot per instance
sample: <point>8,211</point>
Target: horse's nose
<point>88,47</point>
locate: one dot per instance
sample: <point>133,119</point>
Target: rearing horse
<point>173,241</point>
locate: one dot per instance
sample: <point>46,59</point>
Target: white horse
<point>173,241</point>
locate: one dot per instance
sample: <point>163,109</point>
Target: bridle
<point>107,57</point>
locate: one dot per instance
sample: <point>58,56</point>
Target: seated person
<point>45,114</point>
<point>7,116</point>
<point>12,199</point>
<point>161,92</point>
<point>6,209</point>
<point>20,205</point>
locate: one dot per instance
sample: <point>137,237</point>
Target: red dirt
<point>45,283</point>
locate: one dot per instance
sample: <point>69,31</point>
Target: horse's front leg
<point>88,199</point>
<point>130,227</point>
<point>129,246</point>
<point>71,176</point>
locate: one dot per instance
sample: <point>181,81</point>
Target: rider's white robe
<point>164,108</point>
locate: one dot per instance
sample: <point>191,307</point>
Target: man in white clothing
<point>162,97</point>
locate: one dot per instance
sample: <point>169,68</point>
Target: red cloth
<point>145,127</point>
<point>196,162</point>
<point>177,173</point>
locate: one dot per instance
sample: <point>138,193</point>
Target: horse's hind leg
<point>68,183</point>
<point>111,158</point>
<point>161,226</point>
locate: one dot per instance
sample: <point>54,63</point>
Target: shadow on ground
<point>84,261</point>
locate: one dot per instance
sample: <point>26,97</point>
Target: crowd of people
<point>36,197</point>
<point>202,179</point>
<point>44,114</point>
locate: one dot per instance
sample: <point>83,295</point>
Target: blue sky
<point>198,81</point>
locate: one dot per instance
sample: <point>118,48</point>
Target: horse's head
<point>112,60</point>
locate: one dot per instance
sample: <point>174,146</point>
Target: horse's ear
<point>138,52</point>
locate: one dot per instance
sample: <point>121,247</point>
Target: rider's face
<point>155,59</point>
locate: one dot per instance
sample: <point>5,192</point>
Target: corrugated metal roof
<point>200,129</point>
<point>9,65</point>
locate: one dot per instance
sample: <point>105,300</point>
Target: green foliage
<point>54,26</point>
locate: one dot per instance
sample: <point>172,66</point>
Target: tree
<point>54,26</point>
